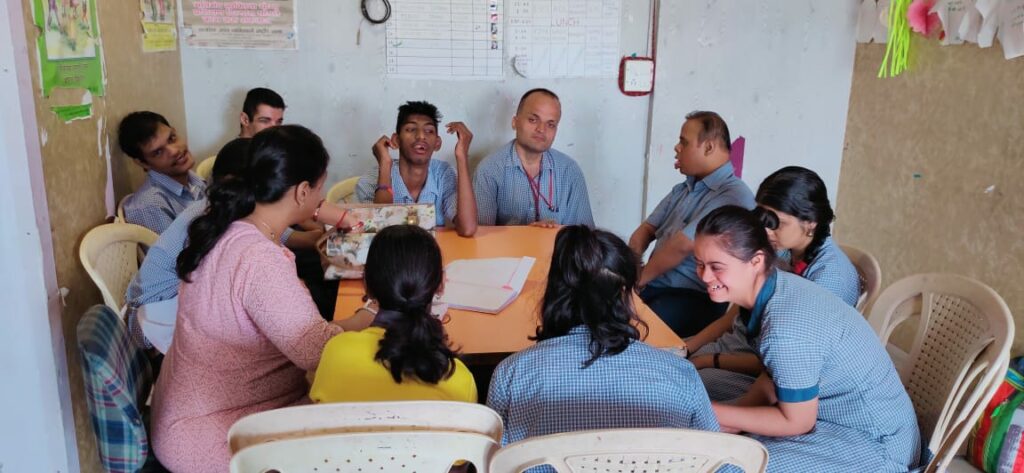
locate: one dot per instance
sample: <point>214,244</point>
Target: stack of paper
<point>485,284</point>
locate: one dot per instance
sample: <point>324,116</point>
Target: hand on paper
<point>465,138</point>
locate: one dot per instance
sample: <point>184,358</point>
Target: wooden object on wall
<point>932,176</point>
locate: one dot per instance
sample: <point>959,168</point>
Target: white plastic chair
<point>205,168</point>
<point>344,191</point>
<point>368,452</point>
<point>958,357</point>
<point>110,254</point>
<point>870,276</point>
<point>633,451</point>
<point>346,417</point>
<point>119,218</point>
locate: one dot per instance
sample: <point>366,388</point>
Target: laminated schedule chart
<point>564,38</point>
<point>446,39</point>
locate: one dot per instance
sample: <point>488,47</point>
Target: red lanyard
<point>535,188</point>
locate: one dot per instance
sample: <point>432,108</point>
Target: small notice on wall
<point>453,39</point>
<point>239,24</point>
<point>564,38</point>
<point>68,45</point>
<point>159,28</point>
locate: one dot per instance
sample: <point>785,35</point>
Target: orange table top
<point>475,333</point>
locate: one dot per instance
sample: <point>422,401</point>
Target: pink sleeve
<point>280,305</point>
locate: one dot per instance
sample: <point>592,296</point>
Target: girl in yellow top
<point>404,354</point>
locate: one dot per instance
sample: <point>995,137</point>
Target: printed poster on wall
<point>159,28</point>
<point>239,24</point>
<point>69,45</point>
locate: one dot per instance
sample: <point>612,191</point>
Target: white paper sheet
<point>951,14</point>
<point>485,284</point>
<point>867,17</point>
<point>450,40</point>
<point>564,38</point>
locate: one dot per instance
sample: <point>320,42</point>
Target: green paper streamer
<point>72,112</point>
<point>68,45</point>
<point>897,50</point>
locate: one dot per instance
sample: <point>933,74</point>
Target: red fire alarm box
<point>636,75</point>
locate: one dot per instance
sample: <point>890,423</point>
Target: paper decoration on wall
<point>873,21</point>
<point>922,19</point>
<point>898,48</point>
<point>159,25</point>
<point>69,113</point>
<point>456,39</point>
<point>564,38</point>
<point>69,50</point>
<point>952,14</point>
<point>1005,19</point>
<point>736,156</point>
<point>239,24</point>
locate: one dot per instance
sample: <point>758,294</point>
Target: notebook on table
<point>485,284</point>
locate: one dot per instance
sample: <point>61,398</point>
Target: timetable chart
<point>446,39</point>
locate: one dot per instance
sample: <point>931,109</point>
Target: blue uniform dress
<point>440,189</point>
<point>505,195</point>
<point>830,269</point>
<point>160,199</point>
<point>814,345</point>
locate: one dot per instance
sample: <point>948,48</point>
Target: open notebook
<point>485,284</point>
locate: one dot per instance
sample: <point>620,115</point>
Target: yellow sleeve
<point>330,373</point>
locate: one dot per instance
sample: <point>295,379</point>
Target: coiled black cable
<point>366,14</point>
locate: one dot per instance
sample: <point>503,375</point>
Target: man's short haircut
<point>231,159</point>
<point>261,96</point>
<point>538,90</point>
<point>137,129</point>
<point>426,109</point>
<point>712,127</point>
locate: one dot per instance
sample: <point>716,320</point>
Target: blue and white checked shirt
<point>160,199</point>
<point>684,207</point>
<point>440,189</point>
<point>544,389</point>
<point>815,345</point>
<point>504,195</point>
<point>832,269</point>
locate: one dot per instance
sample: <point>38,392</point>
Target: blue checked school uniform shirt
<point>832,269</point>
<point>545,390</point>
<point>505,195</point>
<point>160,199</point>
<point>815,345</point>
<point>683,208</point>
<point>440,189</point>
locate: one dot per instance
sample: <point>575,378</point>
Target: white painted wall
<point>338,89</point>
<point>778,72</point>
<point>37,433</point>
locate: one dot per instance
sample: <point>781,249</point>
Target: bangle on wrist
<point>384,187</point>
<point>715,361</point>
<point>316,213</point>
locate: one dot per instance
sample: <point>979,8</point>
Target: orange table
<point>475,333</point>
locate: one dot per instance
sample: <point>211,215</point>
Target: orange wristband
<point>341,220</point>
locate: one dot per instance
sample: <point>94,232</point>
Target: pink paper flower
<point>921,18</point>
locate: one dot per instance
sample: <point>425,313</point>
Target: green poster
<point>68,113</point>
<point>69,45</point>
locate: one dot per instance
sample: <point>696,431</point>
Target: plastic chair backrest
<point>344,191</point>
<point>205,168</point>
<point>958,356</point>
<point>870,276</point>
<point>110,255</point>
<point>117,378</point>
<point>424,451</point>
<point>345,417</point>
<point>633,450</point>
<point>119,218</point>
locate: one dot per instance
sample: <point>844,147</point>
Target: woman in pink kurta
<point>247,329</point>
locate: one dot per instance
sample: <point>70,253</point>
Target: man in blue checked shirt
<point>170,184</point>
<point>671,286</point>
<point>418,178</point>
<point>526,181</point>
